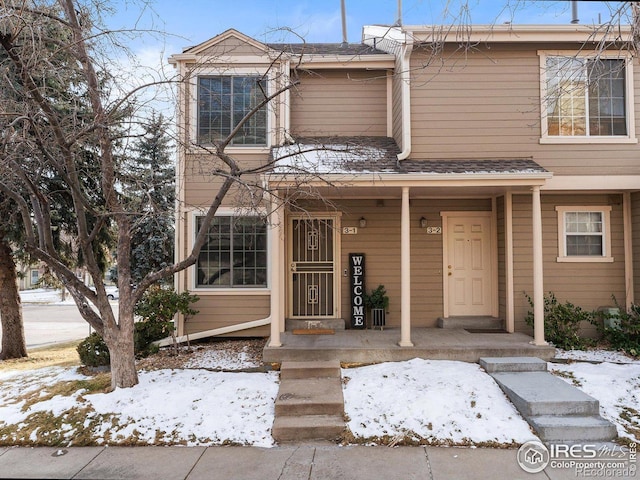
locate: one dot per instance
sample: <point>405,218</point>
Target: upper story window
<point>586,98</point>
<point>223,101</point>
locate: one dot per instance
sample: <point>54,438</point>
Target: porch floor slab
<point>375,346</point>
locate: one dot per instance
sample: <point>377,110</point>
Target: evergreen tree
<point>151,182</point>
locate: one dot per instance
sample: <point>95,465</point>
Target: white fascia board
<point>519,33</point>
<point>382,61</point>
<point>415,180</point>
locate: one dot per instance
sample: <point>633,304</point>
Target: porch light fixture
<point>362,222</point>
<point>423,222</point>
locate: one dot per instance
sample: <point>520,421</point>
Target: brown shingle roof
<point>355,155</point>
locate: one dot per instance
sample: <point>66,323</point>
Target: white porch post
<point>538,282</point>
<point>405,271</point>
<point>275,238</point>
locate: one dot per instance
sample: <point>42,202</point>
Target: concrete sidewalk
<point>280,463</point>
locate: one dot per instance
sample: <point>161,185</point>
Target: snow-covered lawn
<point>440,402</point>
<point>45,295</point>
<point>615,382</point>
<point>435,400</point>
<point>180,407</point>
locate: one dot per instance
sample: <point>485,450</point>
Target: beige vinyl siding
<point>201,185</point>
<point>635,228</point>
<point>380,242</point>
<point>344,102</point>
<point>587,285</point>
<point>232,46</point>
<point>217,311</point>
<point>485,103</point>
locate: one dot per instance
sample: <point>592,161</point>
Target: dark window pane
<point>223,102</point>
<point>234,253</point>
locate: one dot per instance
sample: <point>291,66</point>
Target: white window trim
<point>606,235</point>
<point>192,140</point>
<point>629,98</point>
<point>225,212</point>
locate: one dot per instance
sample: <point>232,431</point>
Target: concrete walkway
<point>310,461</point>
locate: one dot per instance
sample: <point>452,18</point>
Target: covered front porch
<point>373,346</point>
<point>437,235</point>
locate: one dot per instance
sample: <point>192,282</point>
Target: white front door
<point>468,271</point>
<point>313,267</point>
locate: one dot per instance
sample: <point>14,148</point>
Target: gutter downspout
<point>405,78</point>
<point>165,342</point>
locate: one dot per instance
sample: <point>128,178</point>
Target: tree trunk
<point>13,343</point>
<point>119,340</point>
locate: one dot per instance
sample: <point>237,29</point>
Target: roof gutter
<point>405,86</point>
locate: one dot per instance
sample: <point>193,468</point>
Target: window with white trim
<point>586,97</point>
<point>584,234</point>
<point>234,253</point>
<point>223,101</point>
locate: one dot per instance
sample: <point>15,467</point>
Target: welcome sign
<point>356,270</point>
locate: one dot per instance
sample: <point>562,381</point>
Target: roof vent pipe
<point>343,9</point>
<point>574,12</point>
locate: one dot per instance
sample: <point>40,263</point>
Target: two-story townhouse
<point>464,169</point>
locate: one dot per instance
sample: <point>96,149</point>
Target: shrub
<point>624,335</point>
<point>93,351</point>
<point>562,323</point>
<point>156,310</point>
<point>157,307</point>
<point>377,298</point>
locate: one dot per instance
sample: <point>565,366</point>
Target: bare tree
<point>73,130</point>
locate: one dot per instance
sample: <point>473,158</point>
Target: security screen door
<point>312,267</point>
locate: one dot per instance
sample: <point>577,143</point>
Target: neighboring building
<point>469,167</point>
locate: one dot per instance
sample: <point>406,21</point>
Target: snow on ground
<point>201,407</point>
<point>440,401</point>
<point>189,407</point>
<point>616,386</point>
<point>45,295</point>
<point>223,360</point>
<point>595,356</point>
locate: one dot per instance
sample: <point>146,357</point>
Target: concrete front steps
<point>310,404</point>
<point>557,411</point>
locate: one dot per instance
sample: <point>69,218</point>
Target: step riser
<point>523,364</point>
<point>307,370</point>
<point>302,373</point>
<point>486,323</point>
<point>296,410</point>
<point>575,434</point>
<point>282,435</point>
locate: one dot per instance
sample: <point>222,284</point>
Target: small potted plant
<point>377,302</point>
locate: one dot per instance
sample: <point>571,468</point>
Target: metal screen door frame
<point>313,262</point>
